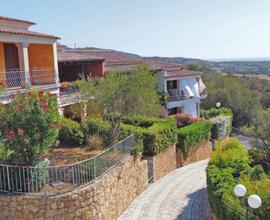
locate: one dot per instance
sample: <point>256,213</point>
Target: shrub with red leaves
<point>183,120</point>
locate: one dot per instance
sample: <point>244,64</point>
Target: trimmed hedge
<point>221,119</point>
<point>213,112</point>
<point>97,126</point>
<point>71,133</point>
<point>193,134</point>
<point>222,126</point>
<point>154,134</point>
<point>229,165</point>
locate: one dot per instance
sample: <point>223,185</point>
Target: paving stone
<point>179,195</point>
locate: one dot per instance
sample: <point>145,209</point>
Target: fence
<point>18,79</point>
<point>58,179</point>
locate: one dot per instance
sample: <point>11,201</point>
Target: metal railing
<point>15,79</point>
<point>175,95</point>
<point>48,180</point>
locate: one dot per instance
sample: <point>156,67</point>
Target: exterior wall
<point>97,69</point>
<point>72,72</point>
<point>41,56</point>
<point>163,163</point>
<point>106,198</point>
<point>189,105</point>
<point>196,152</point>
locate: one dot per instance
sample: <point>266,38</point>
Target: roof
<point>65,56</point>
<point>16,20</point>
<point>176,72</point>
<point>26,33</point>
<point>120,61</point>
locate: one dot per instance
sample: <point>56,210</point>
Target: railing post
<point>8,178</point>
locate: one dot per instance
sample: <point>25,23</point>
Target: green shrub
<point>231,154</point>
<point>213,112</point>
<point>228,166</point>
<point>154,134</point>
<point>221,127</point>
<point>71,133</point>
<point>97,126</point>
<point>221,119</point>
<point>141,121</point>
<point>193,134</point>
<point>29,125</point>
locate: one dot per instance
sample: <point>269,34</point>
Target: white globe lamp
<point>240,190</point>
<point>218,104</point>
<point>254,201</point>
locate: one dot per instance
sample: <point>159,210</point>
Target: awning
<point>202,86</point>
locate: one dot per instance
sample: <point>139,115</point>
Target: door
<point>12,65</point>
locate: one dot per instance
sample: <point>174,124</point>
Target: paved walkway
<point>179,195</point>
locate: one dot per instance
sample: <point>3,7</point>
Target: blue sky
<point>188,28</point>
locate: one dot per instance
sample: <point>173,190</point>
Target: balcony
<point>17,80</point>
<point>176,95</point>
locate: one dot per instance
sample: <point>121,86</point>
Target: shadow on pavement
<point>197,208</point>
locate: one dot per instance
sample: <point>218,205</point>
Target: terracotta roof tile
<point>120,61</point>
<point>71,56</point>
<point>16,20</point>
<point>26,32</point>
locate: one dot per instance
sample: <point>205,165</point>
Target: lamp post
<point>253,201</point>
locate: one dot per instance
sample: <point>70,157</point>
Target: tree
<point>120,95</point>
<point>231,92</point>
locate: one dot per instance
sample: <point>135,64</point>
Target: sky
<point>206,29</point>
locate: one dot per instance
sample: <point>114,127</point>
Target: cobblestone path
<point>179,195</point>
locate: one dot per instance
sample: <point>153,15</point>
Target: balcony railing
<point>175,95</point>
<point>17,79</point>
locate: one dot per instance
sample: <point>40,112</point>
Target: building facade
<point>27,58</point>
<point>183,91</point>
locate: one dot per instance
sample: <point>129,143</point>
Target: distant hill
<point>242,66</point>
<point>180,60</point>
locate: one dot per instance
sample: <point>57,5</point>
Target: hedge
<point>222,126</point>
<point>229,165</point>
<point>193,134</point>
<point>221,119</point>
<point>154,134</point>
<point>97,126</point>
<point>213,112</point>
<point>71,133</point>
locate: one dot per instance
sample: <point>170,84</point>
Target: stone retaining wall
<point>106,198</point>
<point>162,163</point>
<point>196,152</point>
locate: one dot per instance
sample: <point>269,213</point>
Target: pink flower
<point>42,100</point>
<point>20,131</point>
<point>11,133</point>
<point>46,111</point>
<point>41,93</point>
<point>44,106</point>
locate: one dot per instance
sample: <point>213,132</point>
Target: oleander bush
<point>71,133</point>
<point>229,165</point>
<point>29,125</point>
<point>193,134</point>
